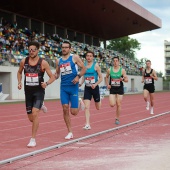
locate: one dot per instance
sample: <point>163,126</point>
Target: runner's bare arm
<point>46,68</point>
<point>57,73</point>
<point>125,78</point>
<point>78,61</point>
<point>19,73</point>
<point>82,81</point>
<point>154,75</point>
<point>142,77</point>
<point>107,78</point>
<point>98,69</point>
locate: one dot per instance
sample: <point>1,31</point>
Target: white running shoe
<point>69,136</point>
<point>44,108</point>
<point>87,127</point>
<point>151,111</point>
<point>32,143</point>
<point>81,104</point>
<point>147,105</point>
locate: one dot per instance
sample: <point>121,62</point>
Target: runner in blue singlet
<point>92,78</point>
<point>66,67</point>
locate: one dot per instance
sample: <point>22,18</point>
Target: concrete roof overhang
<point>105,19</point>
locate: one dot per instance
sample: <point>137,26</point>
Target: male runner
<point>148,77</point>
<point>117,76</point>
<point>66,66</point>
<point>91,89</point>
<point>34,85</point>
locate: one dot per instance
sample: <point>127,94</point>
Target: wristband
<point>47,83</point>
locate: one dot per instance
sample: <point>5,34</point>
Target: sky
<point>152,42</point>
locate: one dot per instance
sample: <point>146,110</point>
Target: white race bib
<point>65,69</point>
<point>115,82</point>
<point>89,81</point>
<point>32,79</point>
<point>148,80</point>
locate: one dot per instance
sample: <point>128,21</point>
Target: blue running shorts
<point>69,94</point>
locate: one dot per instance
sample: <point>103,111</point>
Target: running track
<point>15,132</point>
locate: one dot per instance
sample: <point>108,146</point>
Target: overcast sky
<point>152,42</point>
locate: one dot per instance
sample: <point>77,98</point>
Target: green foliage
<point>125,45</point>
<point>159,74</point>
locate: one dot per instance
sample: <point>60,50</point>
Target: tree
<point>125,45</point>
<point>142,62</point>
<point>159,74</point>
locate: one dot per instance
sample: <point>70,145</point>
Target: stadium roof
<point>106,19</point>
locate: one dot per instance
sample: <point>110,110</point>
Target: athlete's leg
<point>98,105</point>
<point>74,99</point>
<point>112,100</point>
<point>66,117</point>
<point>151,99</point>
<point>67,120</point>
<point>145,95</point>
<point>97,97</point>
<point>152,102</point>
<point>87,111</point>
<point>33,109</point>
<point>74,110</point>
<point>64,96</point>
<point>33,117</point>
<point>119,99</point>
<point>88,91</point>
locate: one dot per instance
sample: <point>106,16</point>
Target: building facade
<point>167,59</point>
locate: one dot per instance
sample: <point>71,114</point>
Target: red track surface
<point>128,148</point>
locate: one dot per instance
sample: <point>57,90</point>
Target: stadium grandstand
<point>84,24</point>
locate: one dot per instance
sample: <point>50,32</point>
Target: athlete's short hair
<point>116,57</point>
<point>148,61</point>
<point>35,43</point>
<point>91,52</point>
<point>66,42</point>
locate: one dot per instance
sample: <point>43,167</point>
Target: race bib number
<point>148,80</point>
<point>32,79</point>
<point>65,69</point>
<point>89,81</point>
<point>115,82</point>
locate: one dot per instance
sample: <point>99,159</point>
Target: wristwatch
<point>47,83</point>
<point>79,76</point>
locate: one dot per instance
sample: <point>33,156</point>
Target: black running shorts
<point>34,99</point>
<point>150,88</point>
<point>117,90</point>
<point>89,93</point>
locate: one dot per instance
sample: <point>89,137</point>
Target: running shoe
<point>151,111</point>
<point>69,136</point>
<point>147,105</point>
<point>81,104</point>
<point>87,127</point>
<point>44,108</point>
<point>32,143</point>
<point>117,122</point>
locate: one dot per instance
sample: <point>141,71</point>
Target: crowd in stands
<point>14,41</point>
